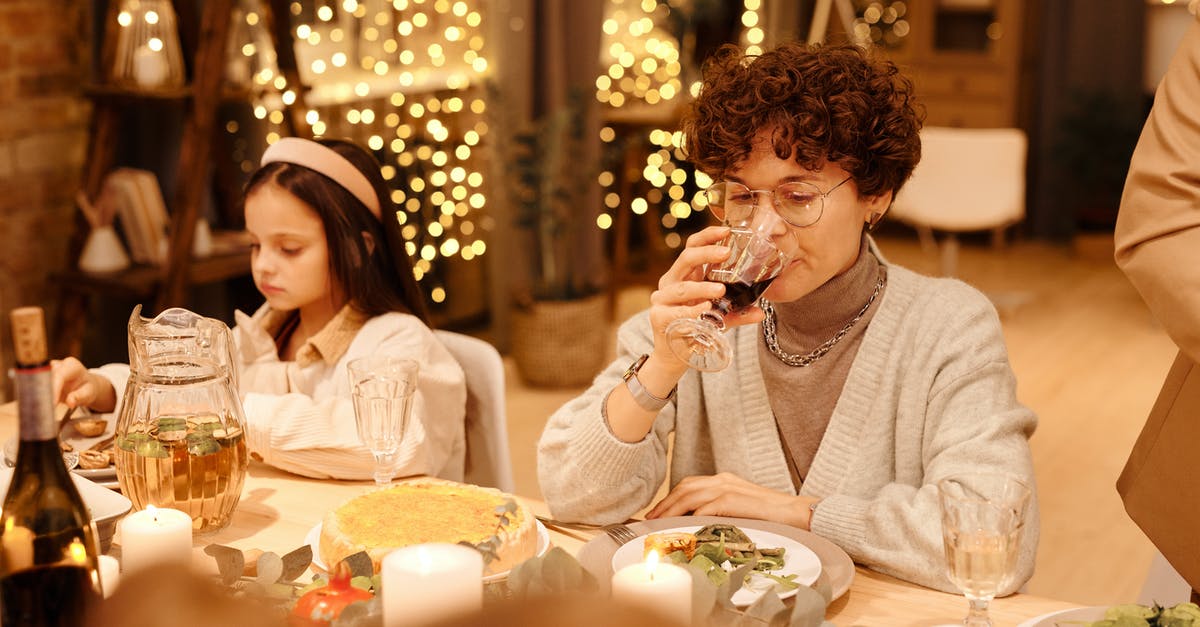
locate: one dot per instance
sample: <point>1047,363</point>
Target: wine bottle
<point>48,565</point>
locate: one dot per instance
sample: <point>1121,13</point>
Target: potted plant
<point>559,322</point>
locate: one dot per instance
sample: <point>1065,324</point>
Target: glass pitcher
<point>181,433</point>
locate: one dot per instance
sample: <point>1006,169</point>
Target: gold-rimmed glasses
<point>799,203</point>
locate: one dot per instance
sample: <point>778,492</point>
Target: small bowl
<point>105,506</point>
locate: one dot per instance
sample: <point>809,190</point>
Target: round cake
<point>428,510</point>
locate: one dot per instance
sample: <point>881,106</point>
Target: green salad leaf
<point>1133,615</point>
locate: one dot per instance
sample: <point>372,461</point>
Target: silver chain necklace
<point>800,361</point>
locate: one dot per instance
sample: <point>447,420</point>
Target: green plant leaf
<point>361,614</point>
<point>704,594</point>
<point>360,564</point>
<point>230,562</point>
<point>824,586</point>
<point>296,563</point>
<point>808,609</point>
<point>561,572</point>
<point>270,568</point>
<point>767,609</point>
<point>734,583</point>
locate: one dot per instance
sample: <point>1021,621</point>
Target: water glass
<point>983,516</point>
<point>383,389</point>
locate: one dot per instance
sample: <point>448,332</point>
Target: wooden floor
<point>1089,360</point>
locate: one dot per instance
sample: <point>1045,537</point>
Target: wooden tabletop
<point>278,509</point>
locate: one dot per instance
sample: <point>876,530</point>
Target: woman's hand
<point>684,293</point>
<point>76,386</point>
<point>726,494</point>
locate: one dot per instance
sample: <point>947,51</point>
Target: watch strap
<point>641,395</point>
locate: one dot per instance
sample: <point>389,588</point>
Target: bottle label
<point>35,404</point>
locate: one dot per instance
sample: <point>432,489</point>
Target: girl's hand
<point>726,494</point>
<point>76,386</point>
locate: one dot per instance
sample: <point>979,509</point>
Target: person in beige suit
<point>1158,227</point>
<point>1157,242</point>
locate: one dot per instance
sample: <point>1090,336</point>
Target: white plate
<point>105,506</point>
<point>313,539</point>
<point>1075,615</point>
<point>798,560</point>
<point>106,477</point>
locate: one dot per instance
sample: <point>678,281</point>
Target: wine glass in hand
<point>983,516</point>
<point>383,389</point>
<point>761,244</point>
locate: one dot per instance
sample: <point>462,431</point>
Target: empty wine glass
<point>983,516</point>
<point>383,389</point>
<point>761,244</point>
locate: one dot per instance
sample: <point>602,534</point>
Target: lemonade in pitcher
<point>180,436</point>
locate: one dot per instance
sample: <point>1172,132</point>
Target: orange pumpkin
<point>322,605</point>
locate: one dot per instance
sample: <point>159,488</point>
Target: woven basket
<point>560,343</point>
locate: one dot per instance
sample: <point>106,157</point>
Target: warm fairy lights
<point>641,65</point>
<point>402,77</point>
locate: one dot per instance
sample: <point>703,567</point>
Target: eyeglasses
<point>799,204</point>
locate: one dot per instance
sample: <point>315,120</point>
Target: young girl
<point>328,256</point>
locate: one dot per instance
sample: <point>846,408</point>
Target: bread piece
<point>666,543</point>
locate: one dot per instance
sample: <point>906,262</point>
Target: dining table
<point>278,510</point>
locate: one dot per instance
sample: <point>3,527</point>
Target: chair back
<point>969,179</point>
<point>488,462</point>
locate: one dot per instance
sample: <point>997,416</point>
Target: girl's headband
<point>324,160</point>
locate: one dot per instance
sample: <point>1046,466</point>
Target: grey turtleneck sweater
<point>802,398</point>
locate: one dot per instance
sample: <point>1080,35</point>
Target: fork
<point>620,533</point>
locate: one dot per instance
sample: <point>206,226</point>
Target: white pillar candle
<point>155,535</point>
<point>110,574</point>
<point>149,67</point>
<point>663,588</point>
<point>427,582</point>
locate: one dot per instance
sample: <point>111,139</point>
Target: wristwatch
<point>641,395</point>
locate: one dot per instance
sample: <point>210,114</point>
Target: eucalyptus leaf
<point>296,563</point>
<point>362,583</point>
<point>270,568</point>
<point>230,562</point>
<point>520,576</point>
<point>360,564</point>
<point>808,609</point>
<point>560,571</point>
<point>824,586</point>
<point>361,614</point>
<point>767,609</point>
<point>704,594</point>
<point>737,577</point>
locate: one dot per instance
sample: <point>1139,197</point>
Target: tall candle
<point>110,574</point>
<point>663,588</point>
<point>150,67</point>
<point>155,535</point>
<point>428,582</point>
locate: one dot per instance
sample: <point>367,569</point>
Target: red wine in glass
<point>754,261</point>
<point>739,296</point>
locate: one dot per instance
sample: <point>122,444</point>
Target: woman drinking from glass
<point>853,387</point>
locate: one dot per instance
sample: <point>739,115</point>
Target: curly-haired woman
<point>876,382</point>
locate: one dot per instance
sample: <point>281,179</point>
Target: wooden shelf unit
<point>167,285</point>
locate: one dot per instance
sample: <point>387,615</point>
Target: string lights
<point>642,69</point>
<point>402,77</point>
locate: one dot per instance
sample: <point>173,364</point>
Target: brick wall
<point>44,61</point>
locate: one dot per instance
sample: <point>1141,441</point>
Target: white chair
<point>969,179</point>
<point>488,462</point>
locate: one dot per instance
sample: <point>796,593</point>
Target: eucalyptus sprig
<point>489,547</point>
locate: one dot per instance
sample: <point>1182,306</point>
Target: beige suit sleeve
<point>1158,229</point>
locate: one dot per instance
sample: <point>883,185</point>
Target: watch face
<point>634,367</point>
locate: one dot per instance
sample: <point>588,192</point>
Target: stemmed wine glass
<point>983,516</point>
<point>383,389</point>
<point>761,244</point>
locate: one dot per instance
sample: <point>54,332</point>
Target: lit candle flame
<point>651,563</point>
<point>153,511</point>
